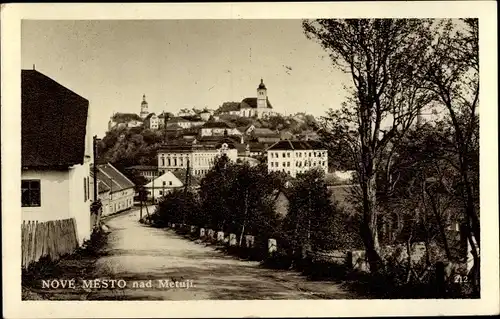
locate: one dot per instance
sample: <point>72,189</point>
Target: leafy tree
<point>383,57</point>
<point>309,223</point>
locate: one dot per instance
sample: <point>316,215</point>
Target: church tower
<point>261,95</point>
<point>144,107</point>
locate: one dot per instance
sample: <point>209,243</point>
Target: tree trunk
<point>244,217</point>
<point>369,229</point>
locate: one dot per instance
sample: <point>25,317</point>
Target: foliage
<point>178,206</point>
<point>384,58</point>
<point>313,219</point>
<point>130,146</point>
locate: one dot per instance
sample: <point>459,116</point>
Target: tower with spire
<point>261,95</point>
<point>144,107</point>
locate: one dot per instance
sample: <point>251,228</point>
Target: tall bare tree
<point>453,75</point>
<point>384,58</point>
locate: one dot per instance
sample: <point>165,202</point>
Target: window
<point>170,183</point>
<point>309,154</point>
<point>283,154</point>
<point>175,161</point>
<point>162,161</point>
<point>30,193</point>
<point>283,164</point>
<point>287,164</point>
<point>161,193</point>
<point>85,189</point>
<point>164,183</point>
<point>88,187</point>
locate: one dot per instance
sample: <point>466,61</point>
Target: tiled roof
<point>143,167</point>
<point>119,181</point>
<point>296,145</point>
<point>181,175</point>
<point>53,122</point>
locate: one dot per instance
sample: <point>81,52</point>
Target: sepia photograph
<point>216,159</point>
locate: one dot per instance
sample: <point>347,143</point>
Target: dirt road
<point>148,260</point>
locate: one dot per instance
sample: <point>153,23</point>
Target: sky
<point>182,64</point>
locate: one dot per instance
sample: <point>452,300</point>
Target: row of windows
<point>181,161</point>
<point>298,164</point>
<point>298,154</point>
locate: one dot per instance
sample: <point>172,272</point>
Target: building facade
<point>118,191</point>
<point>162,185</point>
<point>295,157</point>
<point>198,157</point>
<point>151,121</point>
<point>56,153</point>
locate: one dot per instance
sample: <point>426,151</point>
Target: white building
<point>56,153</point>
<point>200,156</point>
<point>162,185</point>
<point>117,191</point>
<point>259,106</point>
<point>218,128</point>
<point>151,121</point>
<point>295,157</point>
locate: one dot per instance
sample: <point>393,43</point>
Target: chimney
<point>33,66</point>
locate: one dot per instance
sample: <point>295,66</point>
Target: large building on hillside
<point>259,106</point>
<point>56,153</point>
<point>200,155</point>
<point>295,157</point>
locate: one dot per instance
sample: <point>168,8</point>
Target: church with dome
<point>258,107</point>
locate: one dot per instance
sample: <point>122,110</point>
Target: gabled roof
<point>150,115</point>
<point>166,177</point>
<point>181,175</point>
<point>112,176</point>
<point>53,122</point>
<point>296,145</point>
<point>251,102</point>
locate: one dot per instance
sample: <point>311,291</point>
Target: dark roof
<point>102,187</point>
<point>296,145</point>
<point>53,122</point>
<point>251,102</point>
<point>229,106</point>
<point>181,175</point>
<point>262,85</point>
<point>149,116</point>
<point>143,167</point>
<point>109,172</point>
<point>217,124</point>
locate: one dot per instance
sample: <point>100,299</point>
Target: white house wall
<point>54,195</point>
<point>78,206</point>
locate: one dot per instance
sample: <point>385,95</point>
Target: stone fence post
<point>272,246</point>
<point>202,232</point>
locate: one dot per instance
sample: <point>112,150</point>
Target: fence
<point>52,238</point>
